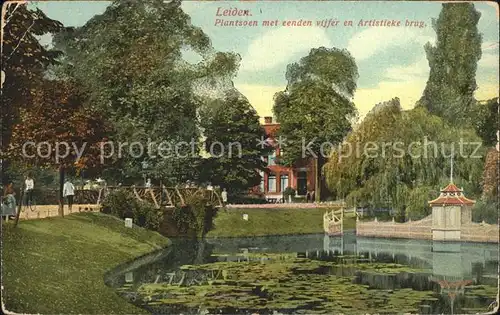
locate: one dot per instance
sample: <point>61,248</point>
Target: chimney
<point>268,120</point>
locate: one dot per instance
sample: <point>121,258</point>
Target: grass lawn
<point>230,223</point>
<point>56,265</point>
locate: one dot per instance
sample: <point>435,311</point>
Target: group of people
<point>9,203</point>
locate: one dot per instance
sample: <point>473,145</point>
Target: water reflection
<point>462,276</point>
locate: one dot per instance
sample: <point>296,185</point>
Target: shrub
<point>123,204</point>
<point>197,216</point>
<point>289,192</point>
<point>247,199</point>
<point>485,210</point>
<point>184,219</point>
<point>148,216</point>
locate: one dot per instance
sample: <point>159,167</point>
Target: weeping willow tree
<point>400,159</point>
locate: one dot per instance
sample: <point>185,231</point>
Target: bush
<point>184,219</point>
<point>247,199</point>
<point>485,210</point>
<point>289,192</point>
<point>196,217</point>
<point>123,204</point>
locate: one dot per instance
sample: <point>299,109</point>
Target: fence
<point>51,196</point>
<point>480,232</point>
<point>421,229</point>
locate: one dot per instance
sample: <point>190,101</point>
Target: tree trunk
<point>19,207</point>
<point>200,252</point>
<point>61,187</point>
<point>320,161</point>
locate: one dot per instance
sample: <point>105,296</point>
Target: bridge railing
<point>159,196</point>
<point>333,221</point>
<point>165,196</point>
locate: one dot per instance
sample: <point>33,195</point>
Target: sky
<point>391,60</point>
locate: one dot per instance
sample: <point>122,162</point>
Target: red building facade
<point>277,178</point>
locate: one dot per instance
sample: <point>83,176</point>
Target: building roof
<point>451,188</point>
<point>451,195</point>
<point>271,129</point>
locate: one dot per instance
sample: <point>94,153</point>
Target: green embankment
<point>261,222</point>
<point>57,265</point>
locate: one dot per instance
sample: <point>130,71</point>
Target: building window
<point>271,159</point>
<point>284,182</point>
<point>271,183</point>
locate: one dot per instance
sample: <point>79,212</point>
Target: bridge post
<point>342,224</point>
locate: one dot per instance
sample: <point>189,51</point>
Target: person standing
<point>8,205</point>
<point>224,197</point>
<point>69,193</point>
<point>8,189</point>
<point>29,185</point>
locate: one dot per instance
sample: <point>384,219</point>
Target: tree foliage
<point>234,124</point>
<point>453,63</point>
<point>490,175</point>
<point>486,121</point>
<point>316,105</point>
<point>56,116</point>
<point>400,160</point>
<point>24,60</point>
<point>136,75</point>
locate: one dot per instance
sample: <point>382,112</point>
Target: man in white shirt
<point>69,193</point>
<point>224,197</point>
<point>29,185</point>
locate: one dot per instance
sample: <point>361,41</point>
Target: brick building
<point>277,178</point>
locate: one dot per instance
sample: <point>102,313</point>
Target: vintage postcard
<point>250,157</point>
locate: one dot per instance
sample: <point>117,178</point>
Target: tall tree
<point>231,128</point>
<point>486,121</point>
<point>24,61</point>
<point>316,106</point>
<point>400,160</point>
<point>453,63</point>
<point>57,132</point>
<point>490,175</point>
<point>135,74</point>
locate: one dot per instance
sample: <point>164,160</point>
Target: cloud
<point>409,92</point>
<point>368,42</point>
<point>488,61</point>
<point>417,70</point>
<point>260,96</point>
<point>486,91</point>
<point>190,7</point>
<point>489,46</point>
<point>280,46</point>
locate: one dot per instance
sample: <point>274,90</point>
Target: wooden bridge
<point>333,222</point>
<point>161,197</point>
<point>91,199</point>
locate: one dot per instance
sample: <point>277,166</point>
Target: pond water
<point>313,274</point>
